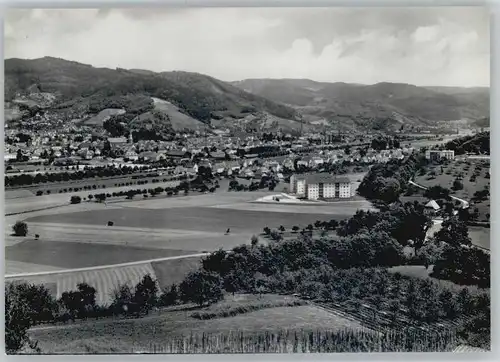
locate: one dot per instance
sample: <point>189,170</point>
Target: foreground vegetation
<point>286,341</point>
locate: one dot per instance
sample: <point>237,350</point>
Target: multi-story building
<point>439,154</point>
<point>321,186</point>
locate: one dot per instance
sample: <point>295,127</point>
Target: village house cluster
<point>58,145</point>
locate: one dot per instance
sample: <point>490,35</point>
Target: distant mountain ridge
<point>394,103</point>
<point>81,91</point>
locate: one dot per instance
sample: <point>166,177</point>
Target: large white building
<point>438,154</point>
<point>321,186</point>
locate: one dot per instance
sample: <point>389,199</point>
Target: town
<point>168,201</point>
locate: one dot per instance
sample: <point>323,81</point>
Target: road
<point>94,268</point>
<point>465,204</point>
<point>437,222</point>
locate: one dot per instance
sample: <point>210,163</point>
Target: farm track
<point>35,210</point>
<point>465,204</point>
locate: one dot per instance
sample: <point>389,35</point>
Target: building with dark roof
<point>321,186</point>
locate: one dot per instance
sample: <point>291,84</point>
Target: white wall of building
<point>301,187</point>
<point>313,191</point>
<point>344,190</point>
<point>329,191</point>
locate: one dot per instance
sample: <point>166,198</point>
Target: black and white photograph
<point>215,180</point>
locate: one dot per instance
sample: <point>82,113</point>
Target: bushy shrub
<point>20,228</point>
<point>76,199</point>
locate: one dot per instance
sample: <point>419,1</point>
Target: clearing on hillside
<point>103,116</point>
<point>178,120</point>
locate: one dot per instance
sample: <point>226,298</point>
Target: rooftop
<point>324,178</point>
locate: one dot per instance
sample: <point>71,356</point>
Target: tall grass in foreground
<point>308,342</point>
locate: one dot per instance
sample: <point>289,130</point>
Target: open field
<point>16,194</point>
<point>24,204</point>
<point>480,236</point>
<point>140,333</point>
<point>208,219</point>
<point>340,209</point>
<point>174,271</point>
<point>81,255</point>
<point>78,235</point>
<point>431,142</point>
<point>106,280</point>
<point>19,267</point>
<point>16,203</point>
<point>178,120</point>
<point>103,115</point>
<point>92,235</point>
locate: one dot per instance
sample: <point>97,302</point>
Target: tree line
<point>387,181</point>
<point>104,171</point>
<point>475,144</point>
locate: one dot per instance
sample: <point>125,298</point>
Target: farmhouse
<point>321,186</point>
<point>438,154</point>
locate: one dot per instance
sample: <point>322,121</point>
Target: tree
<point>254,240</point>
<point>145,294</point>
<point>88,299</point>
<point>76,199</point>
<point>17,320</point>
<point>437,192</point>
<point>202,287</point>
<point>295,228</point>
<point>281,228</point>
<point>454,232</point>
<point>169,297</point>
<point>122,299</point>
<point>73,302</point>
<point>275,235</point>
<point>267,230</point>
<point>457,185</point>
<point>20,228</point>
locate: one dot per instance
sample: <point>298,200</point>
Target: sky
<point>423,46</point>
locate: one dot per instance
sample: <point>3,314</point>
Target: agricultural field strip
<point>92,181</point>
<point>340,208</point>
<point>32,203</point>
<point>86,229</point>
<point>105,279</point>
<point>19,267</point>
<point>95,268</point>
<point>154,239</point>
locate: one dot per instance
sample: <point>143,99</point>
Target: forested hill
<point>80,88</point>
<point>476,144</point>
<point>386,104</point>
